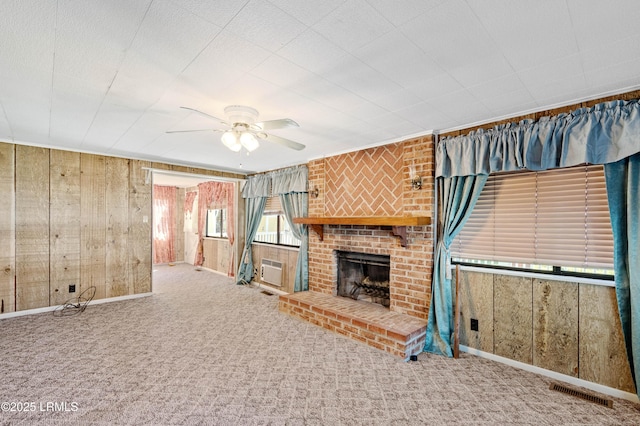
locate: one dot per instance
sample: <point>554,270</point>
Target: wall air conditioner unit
<point>271,272</point>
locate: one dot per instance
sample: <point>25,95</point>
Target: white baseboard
<point>120,298</point>
<point>53,308</point>
<point>224,274</point>
<point>177,262</point>
<point>617,393</point>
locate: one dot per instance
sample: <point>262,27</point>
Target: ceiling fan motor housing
<point>241,114</point>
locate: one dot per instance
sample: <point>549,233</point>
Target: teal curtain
<point>296,204</point>
<point>293,179</point>
<point>604,133</point>
<point>255,193</point>
<point>607,133</point>
<point>456,198</point>
<point>623,193</point>
<point>291,185</point>
<point>254,210</point>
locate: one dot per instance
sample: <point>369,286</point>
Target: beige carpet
<point>202,350</point>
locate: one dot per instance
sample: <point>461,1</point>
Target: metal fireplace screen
<point>363,276</point>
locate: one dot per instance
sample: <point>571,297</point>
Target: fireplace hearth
<point>363,276</point>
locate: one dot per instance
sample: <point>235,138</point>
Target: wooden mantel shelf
<point>398,223</point>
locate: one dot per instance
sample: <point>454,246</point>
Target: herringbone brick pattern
<point>365,183</point>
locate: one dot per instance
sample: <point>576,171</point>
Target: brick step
<point>399,334</point>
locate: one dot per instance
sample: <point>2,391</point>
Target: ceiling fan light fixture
<point>230,140</point>
<point>243,130</point>
<point>249,141</point>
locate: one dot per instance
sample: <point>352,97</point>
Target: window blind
<point>557,217</point>
<point>273,205</point>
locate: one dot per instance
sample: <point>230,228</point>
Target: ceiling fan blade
<point>194,130</point>
<point>282,123</point>
<point>206,115</point>
<point>282,141</point>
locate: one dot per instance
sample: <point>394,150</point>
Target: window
<point>217,223</point>
<point>551,221</point>
<point>274,228</point>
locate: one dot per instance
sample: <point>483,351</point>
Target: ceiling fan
<point>244,131</point>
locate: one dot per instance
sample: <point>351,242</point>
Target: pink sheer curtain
<point>218,193</point>
<point>188,201</point>
<point>164,220</point>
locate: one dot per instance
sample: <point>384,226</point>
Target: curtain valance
<point>257,186</point>
<point>293,179</point>
<point>285,181</point>
<point>604,133</point>
<point>210,193</point>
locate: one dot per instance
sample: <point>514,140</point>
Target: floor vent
<point>583,395</point>
<point>266,292</point>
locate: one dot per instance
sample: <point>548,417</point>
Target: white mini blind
<point>558,217</point>
<point>273,205</point>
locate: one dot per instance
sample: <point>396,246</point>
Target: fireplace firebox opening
<point>363,276</point>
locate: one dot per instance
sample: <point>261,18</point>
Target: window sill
<point>217,238</point>
<point>565,278</point>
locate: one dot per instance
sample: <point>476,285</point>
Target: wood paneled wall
<point>74,218</point>
<point>64,226</point>
<point>32,227</point>
<point>80,219</point>
<point>216,254</point>
<point>117,221</point>
<point>7,228</point>
<point>288,257</point>
<point>569,328</point>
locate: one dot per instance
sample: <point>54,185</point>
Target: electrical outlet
<point>474,324</point>
<point>72,288</point>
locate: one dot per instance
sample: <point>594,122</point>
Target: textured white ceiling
<point>109,76</point>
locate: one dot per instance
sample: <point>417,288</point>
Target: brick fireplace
<point>372,182</point>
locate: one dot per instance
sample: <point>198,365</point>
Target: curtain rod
<point>196,175</point>
<point>277,170</point>
<point>627,95</point>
